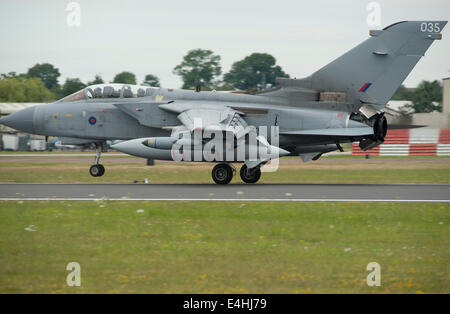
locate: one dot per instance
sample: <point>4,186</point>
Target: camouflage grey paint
<point>368,75</point>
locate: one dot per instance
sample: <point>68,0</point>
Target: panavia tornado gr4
<point>340,103</point>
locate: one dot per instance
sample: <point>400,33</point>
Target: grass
<point>125,170</point>
<point>230,247</point>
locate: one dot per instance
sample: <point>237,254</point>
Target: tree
<point>199,67</point>
<point>71,86</point>
<point>47,73</point>
<point>20,89</point>
<point>12,75</point>
<point>403,93</point>
<point>151,80</point>
<point>125,78</point>
<point>256,71</point>
<point>425,94</point>
<point>98,80</point>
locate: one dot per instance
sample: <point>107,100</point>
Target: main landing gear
<point>250,175</point>
<point>223,173</point>
<point>97,170</point>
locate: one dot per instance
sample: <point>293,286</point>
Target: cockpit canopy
<point>110,91</point>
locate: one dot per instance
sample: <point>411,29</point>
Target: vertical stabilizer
<point>372,71</point>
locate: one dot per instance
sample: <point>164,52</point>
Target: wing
<point>209,117</point>
<point>338,132</point>
<point>219,117</point>
<point>333,133</point>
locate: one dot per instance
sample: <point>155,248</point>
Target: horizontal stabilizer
<point>404,126</point>
<point>333,132</point>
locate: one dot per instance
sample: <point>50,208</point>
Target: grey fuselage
<point>130,118</point>
<point>340,102</point>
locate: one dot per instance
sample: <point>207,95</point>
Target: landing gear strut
<point>250,175</point>
<point>97,170</point>
<point>222,173</point>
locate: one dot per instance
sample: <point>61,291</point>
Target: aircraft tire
<point>251,177</point>
<point>96,170</point>
<point>222,173</point>
<point>102,170</point>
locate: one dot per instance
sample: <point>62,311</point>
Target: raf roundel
<point>92,120</point>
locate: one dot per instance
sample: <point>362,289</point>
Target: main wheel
<point>97,170</point>
<point>250,175</point>
<point>222,173</point>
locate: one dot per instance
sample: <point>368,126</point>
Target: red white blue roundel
<point>92,120</point>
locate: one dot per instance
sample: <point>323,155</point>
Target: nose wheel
<point>97,170</point>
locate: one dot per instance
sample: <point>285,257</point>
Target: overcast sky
<point>152,36</point>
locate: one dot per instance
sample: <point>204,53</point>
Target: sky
<point>153,36</point>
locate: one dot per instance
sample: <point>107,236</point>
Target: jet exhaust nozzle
<point>380,127</point>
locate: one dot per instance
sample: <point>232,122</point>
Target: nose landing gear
<point>97,170</point>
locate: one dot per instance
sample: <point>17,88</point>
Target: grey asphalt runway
<point>232,192</point>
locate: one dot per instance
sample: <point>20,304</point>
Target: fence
<point>411,142</point>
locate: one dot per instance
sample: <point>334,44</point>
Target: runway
<point>232,192</point>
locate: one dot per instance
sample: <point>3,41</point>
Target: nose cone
<point>21,120</point>
<point>132,147</point>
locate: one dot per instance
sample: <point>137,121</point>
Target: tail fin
<point>372,71</point>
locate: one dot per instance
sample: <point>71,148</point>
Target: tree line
<point>40,84</point>
<point>427,97</point>
<point>198,68</point>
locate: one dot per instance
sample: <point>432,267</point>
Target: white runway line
<point>223,199</point>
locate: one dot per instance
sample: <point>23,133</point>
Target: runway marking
<point>223,199</point>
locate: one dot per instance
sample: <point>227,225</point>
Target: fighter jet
<point>340,103</point>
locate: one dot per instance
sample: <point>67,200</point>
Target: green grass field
<point>229,247</point>
<point>330,170</point>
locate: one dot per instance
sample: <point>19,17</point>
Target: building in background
<point>399,112</point>
<point>437,119</point>
<point>12,139</point>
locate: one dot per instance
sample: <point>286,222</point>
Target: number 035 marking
<point>430,27</point>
